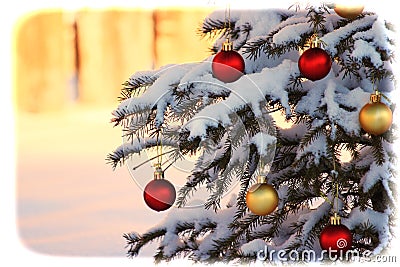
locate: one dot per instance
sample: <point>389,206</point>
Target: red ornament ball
<point>315,63</point>
<point>159,194</point>
<point>228,66</point>
<point>336,237</point>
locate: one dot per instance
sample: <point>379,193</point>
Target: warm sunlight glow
<point>67,62</point>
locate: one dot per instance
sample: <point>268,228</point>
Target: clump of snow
<point>334,96</point>
<point>378,35</point>
<point>378,219</point>
<point>318,148</point>
<point>310,103</point>
<point>333,38</point>
<point>159,94</point>
<point>378,173</point>
<point>263,142</point>
<point>251,248</point>
<point>294,33</point>
<point>363,49</point>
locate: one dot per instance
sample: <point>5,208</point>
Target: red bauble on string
<point>336,237</point>
<point>159,194</point>
<point>227,65</point>
<point>315,63</point>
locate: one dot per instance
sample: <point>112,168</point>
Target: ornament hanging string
<point>373,86</point>
<point>335,202</point>
<point>377,92</point>
<point>261,166</point>
<point>159,148</point>
<point>335,176</point>
<point>160,153</point>
<point>227,20</point>
<point>153,158</point>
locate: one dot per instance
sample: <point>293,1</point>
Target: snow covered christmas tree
<point>230,127</point>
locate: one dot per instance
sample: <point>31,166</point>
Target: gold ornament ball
<point>262,199</point>
<point>375,118</point>
<point>347,11</point>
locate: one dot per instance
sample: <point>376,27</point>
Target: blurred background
<point>68,68</point>
<point>64,58</point>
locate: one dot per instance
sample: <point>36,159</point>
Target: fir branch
<point>265,44</point>
<point>307,239</point>
<point>349,67</point>
<point>222,182</point>
<point>136,86</point>
<point>212,28</point>
<point>135,242</point>
<point>285,153</point>
<point>196,180</point>
<point>120,155</point>
<point>239,227</point>
<point>141,124</point>
<point>245,179</point>
<point>275,221</point>
<point>221,186</point>
<point>377,150</point>
<point>142,114</point>
<point>201,176</point>
<point>272,50</point>
<point>297,170</point>
<point>366,237</point>
<point>254,48</point>
<point>311,136</point>
<point>317,18</point>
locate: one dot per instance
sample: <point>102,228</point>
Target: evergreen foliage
<point>308,160</point>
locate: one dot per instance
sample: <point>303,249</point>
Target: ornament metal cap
<point>261,179</point>
<point>227,45</point>
<point>335,219</point>
<point>376,97</point>
<point>158,173</point>
<point>316,42</point>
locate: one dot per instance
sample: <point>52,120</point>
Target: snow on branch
<point>263,142</point>
<point>379,220</point>
<point>207,113</point>
<point>336,97</point>
<point>134,146</point>
<point>333,38</point>
<point>248,91</point>
<point>379,35</point>
<point>194,228</point>
<point>158,95</point>
<point>363,49</point>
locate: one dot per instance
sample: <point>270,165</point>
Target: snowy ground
<point>69,201</point>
